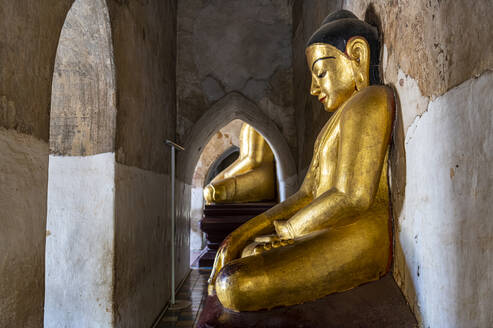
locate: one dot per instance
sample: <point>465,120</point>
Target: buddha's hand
<point>284,230</point>
<point>215,193</point>
<point>267,246</point>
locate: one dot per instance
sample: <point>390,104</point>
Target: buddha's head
<point>343,58</point>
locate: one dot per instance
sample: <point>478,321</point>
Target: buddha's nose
<point>314,88</point>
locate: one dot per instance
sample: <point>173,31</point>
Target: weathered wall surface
<point>229,46</point>
<point>440,177</point>
<point>83,109</point>
<point>29,33</point>
<point>439,43</point>
<point>144,41</point>
<point>23,181</point>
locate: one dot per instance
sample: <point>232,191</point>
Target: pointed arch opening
<point>229,114</point>
<point>235,106</point>
<point>80,216</point>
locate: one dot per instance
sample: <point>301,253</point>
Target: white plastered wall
<point>80,241</point>
<point>445,231</point>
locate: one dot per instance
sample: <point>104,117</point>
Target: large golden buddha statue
<point>250,178</point>
<point>334,233</point>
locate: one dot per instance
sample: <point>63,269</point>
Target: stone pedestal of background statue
<point>219,220</point>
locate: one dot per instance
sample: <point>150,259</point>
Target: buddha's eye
<point>321,74</point>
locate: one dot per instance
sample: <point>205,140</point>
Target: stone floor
<point>194,289</point>
<point>376,304</point>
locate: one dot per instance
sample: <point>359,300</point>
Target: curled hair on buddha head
<point>339,27</point>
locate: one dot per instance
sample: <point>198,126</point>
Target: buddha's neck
<point>341,106</point>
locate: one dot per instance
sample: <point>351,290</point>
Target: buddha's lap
<point>321,252</point>
<point>314,266</point>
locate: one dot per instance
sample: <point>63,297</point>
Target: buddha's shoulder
<point>375,99</point>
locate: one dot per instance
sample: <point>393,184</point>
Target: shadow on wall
<point>397,174</point>
<point>397,167</point>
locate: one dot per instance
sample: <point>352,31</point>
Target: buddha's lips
<point>322,100</point>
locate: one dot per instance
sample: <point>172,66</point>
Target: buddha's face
<point>335,75</point>
<point>332,75</point>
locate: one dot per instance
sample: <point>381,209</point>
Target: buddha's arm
<point>364,138</point>
<point>234,243</point>
<point>252,154</point>
<point>241,165</point>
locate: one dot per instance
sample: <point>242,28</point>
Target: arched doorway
<point>224,143</point>
<point>232,109</point>
<point>235,106</point>
<point>80,218</point>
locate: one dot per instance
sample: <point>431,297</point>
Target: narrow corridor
<point>194,289</point>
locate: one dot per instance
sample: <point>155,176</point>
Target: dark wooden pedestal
<point>219,220</point>
<point>378,304</point>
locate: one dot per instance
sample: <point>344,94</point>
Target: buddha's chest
<point>325,158</point>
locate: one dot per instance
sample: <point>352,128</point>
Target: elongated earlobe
<point>358,51</point>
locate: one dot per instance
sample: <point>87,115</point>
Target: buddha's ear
<point>358,51</point>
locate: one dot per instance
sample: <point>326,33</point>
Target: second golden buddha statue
<point>334,233</point>
<point>251,178</point>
